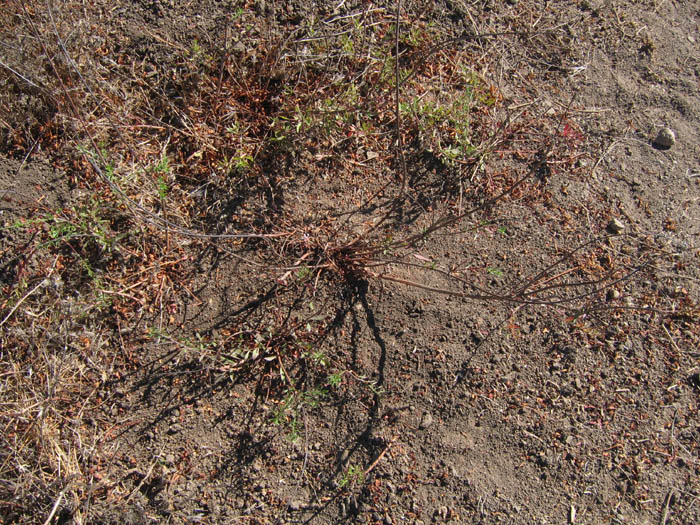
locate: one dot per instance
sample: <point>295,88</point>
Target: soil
<point>447,409</point>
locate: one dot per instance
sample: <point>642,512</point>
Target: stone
<point>665,139</point>
<point>615,226</point>
<point>612,294</point>
<point>296,505</point>
<point>426,421</point>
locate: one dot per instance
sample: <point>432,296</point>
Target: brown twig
<point>380,456</point>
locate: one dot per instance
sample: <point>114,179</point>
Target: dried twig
<point>380,456</point>
<point>667,503</point>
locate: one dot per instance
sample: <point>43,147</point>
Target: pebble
<point>295,505</point>
<point>694,380</point>
<point>612,294</point>
<point>665,139</point>
<point>615,226</point>
<point>426,421</point>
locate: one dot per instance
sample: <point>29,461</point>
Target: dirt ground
<point>152,375</point>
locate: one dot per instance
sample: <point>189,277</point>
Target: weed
<point>496,272</point>
<point>444,120</point>
<point>334,380</point>
<point>353,475</point>
<point>162,186</point>
<point>197,54</point>
<point>271,135</point>
<point>289,411</point>
<point>304,273</point>
<point>101,159</point>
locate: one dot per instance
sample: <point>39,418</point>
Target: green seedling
<point>353,475</point>
<point>303,274</point>
<point>320,358</point>
<point>496,272</point>
<point>287,413</point>
<point>334,380</point>
<point>101,160</point>
<point>162,188</point>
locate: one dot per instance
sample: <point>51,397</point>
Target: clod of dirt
<point>426,421</point>
<point>615,226</point>
<point>665,139</point>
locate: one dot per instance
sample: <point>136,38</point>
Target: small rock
<point>665,139</point>
<point>612,295</point>
<point>544,461</point>
<point>426,420</point>
<point>170,459</point>
<point>694,380</point>
<point>295,505</point>
<point>615,226</point>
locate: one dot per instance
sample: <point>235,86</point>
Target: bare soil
<point>374,397</point>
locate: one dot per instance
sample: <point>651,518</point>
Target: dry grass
<point>172,157</point>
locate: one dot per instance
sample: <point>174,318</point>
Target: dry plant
<point>203,150</point>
